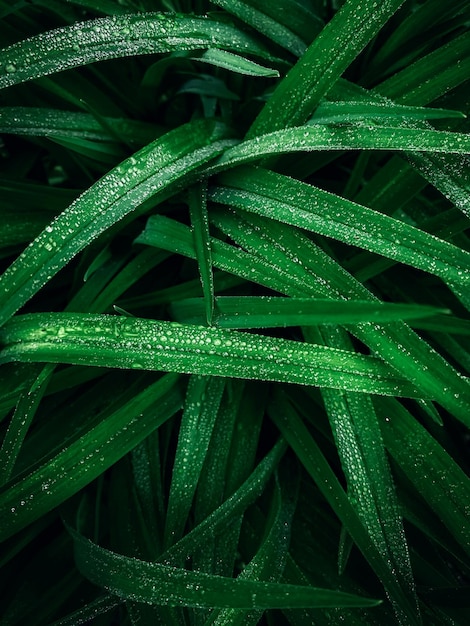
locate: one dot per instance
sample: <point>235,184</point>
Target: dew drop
<point>10,68</point>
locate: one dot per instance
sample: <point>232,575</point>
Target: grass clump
<point>234,312</point>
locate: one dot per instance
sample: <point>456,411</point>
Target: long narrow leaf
<point>370,484</point>
<point>293,202</point>
<point>333,50</point>
<point>43,489</point>
<point>147,344</point>
<point>163,585</point>
<point>277,312</point>
<point>121,36</point>
<point>202,403</point>
<point>200,226</point>
<point>150,171</point>
<point>318,275</point>
<point>310,455</point>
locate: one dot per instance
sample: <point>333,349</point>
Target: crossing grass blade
<point>413,447</point>
<point>431,76</point>
<point>45,487</point>
<point>163,585</point>
<point>278,312</point>
<point>109,341</point>
<point>319,276</point>
<point>425,18</point>
<point>297,435</point>
<point>121,36</point>
<point>200,226</point>
<point>331,52</point>
<point>202,403</point>
<point>268,563</point>
<point>370,484</point>
<point>277,197</point>
<point>231,509</point>
<point>150,171</point>
<point>39,121</point>
<point>21,420</point>
<point>264,24</point>
<point>234,215</point>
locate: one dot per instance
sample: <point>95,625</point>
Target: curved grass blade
<point>197,424</point>
<point>122,36</point>
<point>294,15</point>
<point>163,585</point>
<point>432,75</point>
<point>358,137</point>
<point>235,63</point>
<point>278,312</point>
<point>313,272</point>
<point>168,160</point>
<point>269,561</point>
<point>433,472</point>
<point>90,611</point>
<point>44,122</point>
<point>370,485</point>
<point>231,509</point>
<point>264,24</point>
<point>298,204</point>
<point>310,455</point>
<point>110,341</point>
<point>21,420</point>
<point>332,51</point>
<point>200,225</point>
<point>352,111</point>
<point>307,271</point>
<point>415,26</point>
<point>28,498</point>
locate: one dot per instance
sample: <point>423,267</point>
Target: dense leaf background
<point>234,312</point>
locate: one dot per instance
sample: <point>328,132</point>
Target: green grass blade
<point>150,171</point>
<point>332,51</point>
<point>264,24</point>
<point>21,420</point>
<point>235,63</point>
<point>358,137</point>
<point>299,18</point>
<point>202,403</point>
<point>109,341</point>
<point>28,498</point>
<point>426,16</point>
<point>231,509</point>
<point>433,472</point>
<point>202,244</point>
<point>162,232</point>
<point>307,271</point>
<point>278,312</point>
<point>169,586</point>
<point>107,295</point>
<point>313,272</point>
<point>42,122</point>
<point>298,204</point>
<point>117,37</point>
<point>431,76</point>
<point>90,611</point>
<point>311,456</point>
<point>370,484</point>
<point>268,563</point>
<point>352,111</point>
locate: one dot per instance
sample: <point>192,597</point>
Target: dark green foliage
<point>234,312</point>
